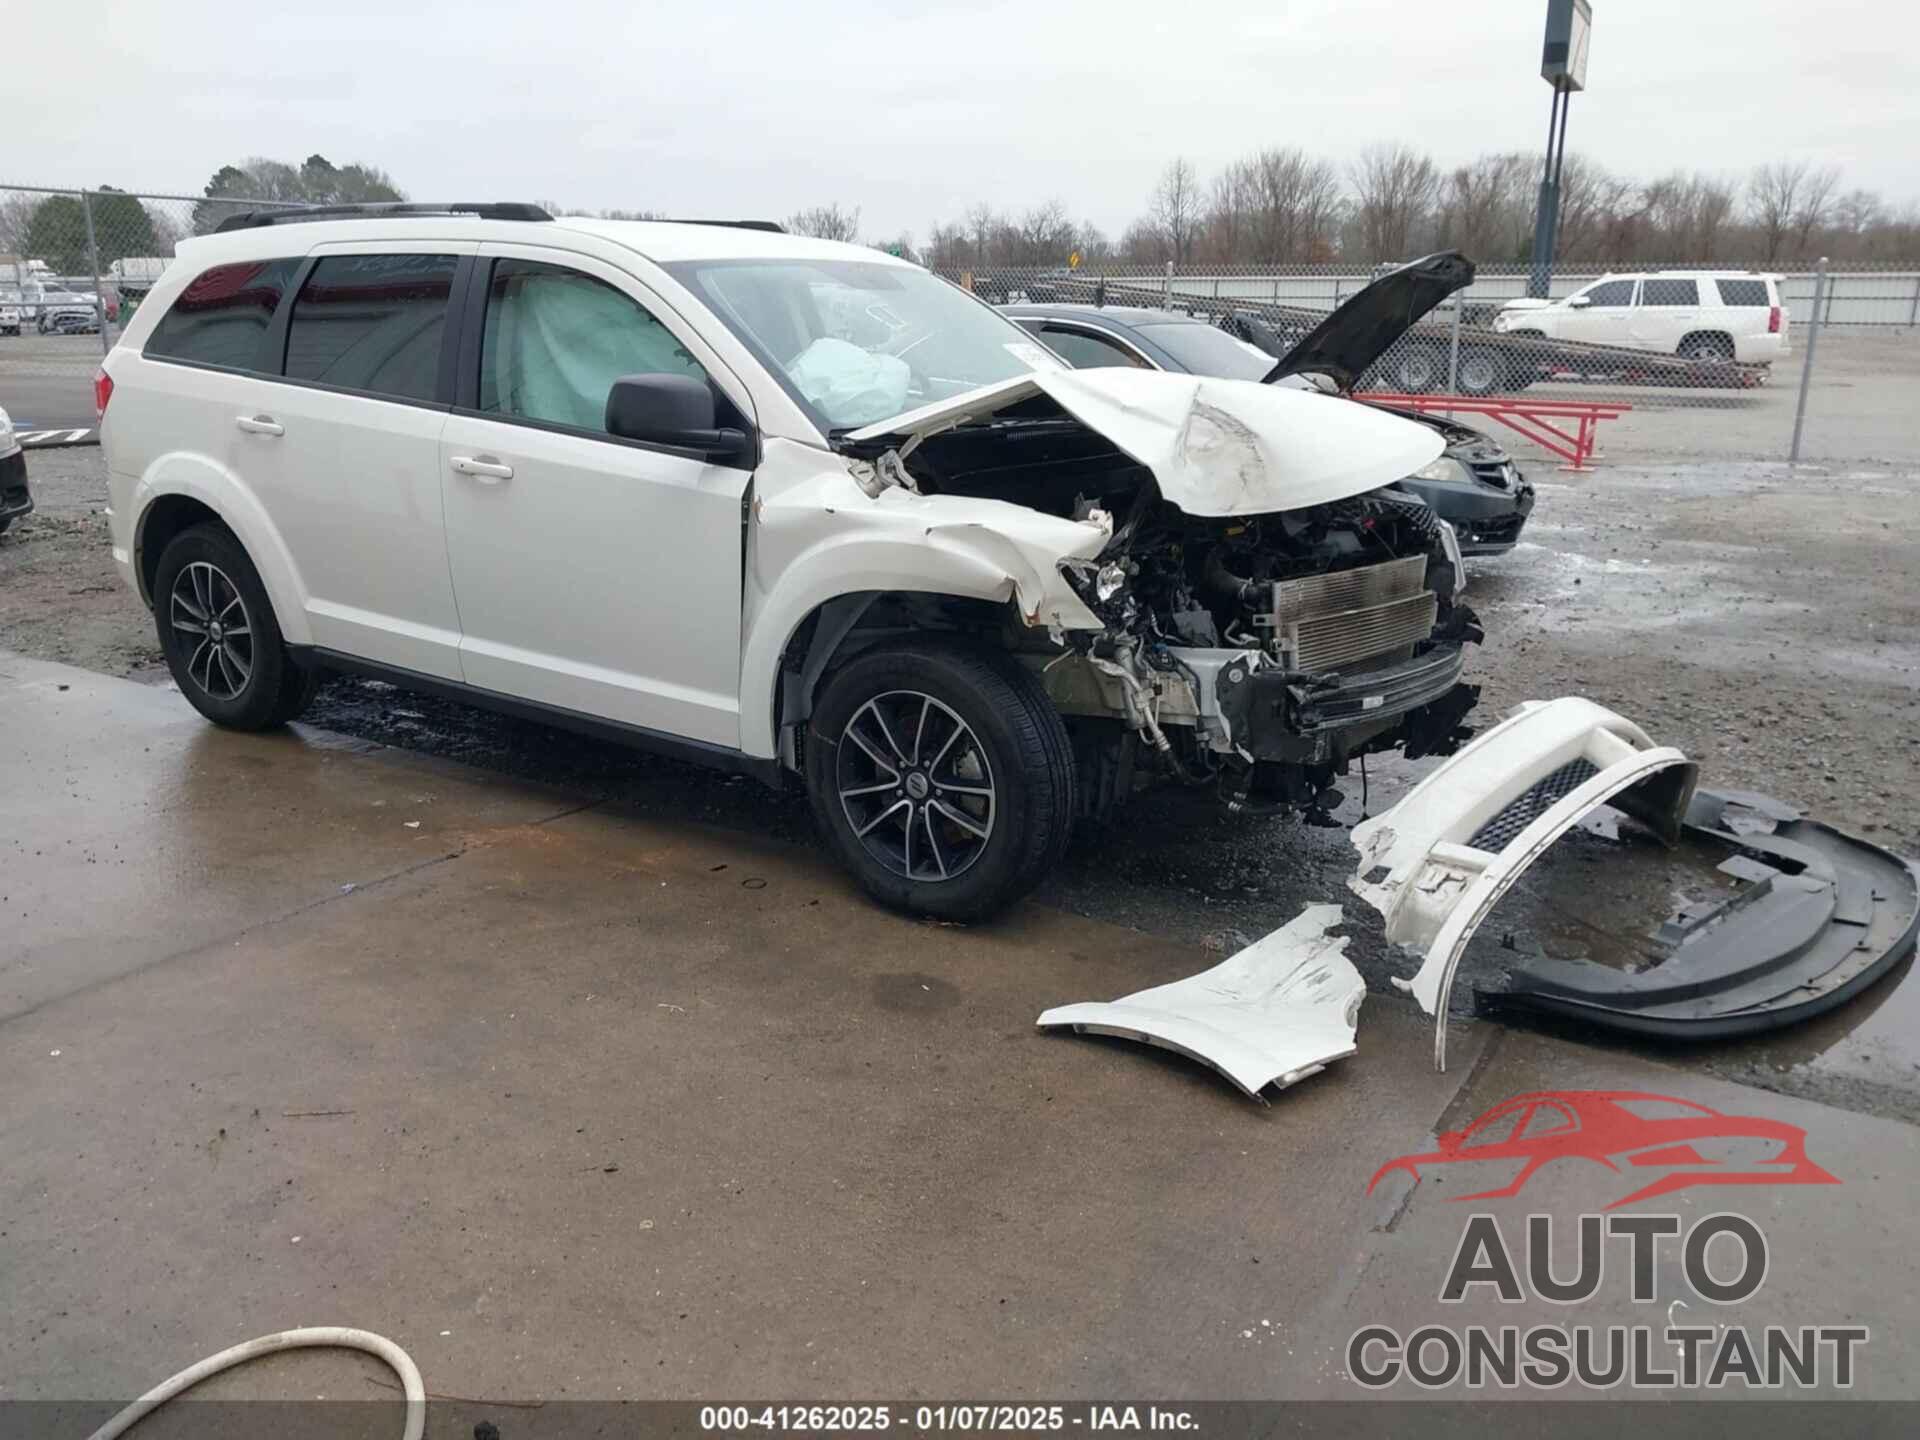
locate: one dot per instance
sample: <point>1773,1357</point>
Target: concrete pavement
<point>574,1103</point>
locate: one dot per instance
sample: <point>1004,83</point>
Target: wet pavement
<point>592,1098</point>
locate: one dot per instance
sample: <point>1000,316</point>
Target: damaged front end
<point>1272,609</point>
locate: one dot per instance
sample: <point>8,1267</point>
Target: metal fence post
<point>1166,290</point>
<point>1806,368</point>
<point>1453,352</point>
<point>1913,310</point>
<point>93,259</point>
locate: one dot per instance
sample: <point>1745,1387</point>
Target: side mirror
<point>1578,302</point>
<point>677,411</point>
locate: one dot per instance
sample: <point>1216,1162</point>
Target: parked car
<point>65,312</point>
<point>783,506</point>
<point>15,498</point>
<point>11,312</point>
<point>1695,314</point>
<point>1473,485</point>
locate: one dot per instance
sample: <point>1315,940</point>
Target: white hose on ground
<point>329,1337</point>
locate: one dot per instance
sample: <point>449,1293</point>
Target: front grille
<point>1323,622</point>
<point>1500,530</point>
<point>1531,804</point>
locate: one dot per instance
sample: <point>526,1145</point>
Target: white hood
<point>1216,447</point>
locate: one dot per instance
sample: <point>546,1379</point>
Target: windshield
<point>1207,351</point>
<point>857,342</point>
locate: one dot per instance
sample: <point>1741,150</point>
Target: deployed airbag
<point>849,383</point>
<point>1274,1013</point>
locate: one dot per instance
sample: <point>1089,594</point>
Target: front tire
<point>1418,369</point>
<point>942,776</point>
<point>219,635</point>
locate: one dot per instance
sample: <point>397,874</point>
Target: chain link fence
<point>79,262</point>
<point>1706,360</point>
<point>1694,360</point>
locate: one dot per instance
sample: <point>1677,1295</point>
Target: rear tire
<point>1418,369</point>
<point>1706,347</point>
<point>942,777</point>
<point>219,635</point>
<point>1481,372</point>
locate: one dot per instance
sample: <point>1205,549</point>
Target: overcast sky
<point>914,110</point>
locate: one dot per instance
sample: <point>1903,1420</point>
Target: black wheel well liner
<point>836,630</point>
<point>1707,335</point>
<point>165,518</point>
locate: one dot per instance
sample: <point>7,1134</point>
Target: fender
<point>223,492</point>
<point>825,538</point>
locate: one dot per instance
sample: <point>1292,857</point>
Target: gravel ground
<point>1765,620</point>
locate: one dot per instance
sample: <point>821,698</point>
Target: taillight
<point>102,392</point>
<point>1773,321</point>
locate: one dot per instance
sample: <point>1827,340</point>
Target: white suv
<point>1696,314</point>
<point>788,507</point>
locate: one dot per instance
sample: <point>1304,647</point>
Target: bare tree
<point>1814,202</point>
<point>1394,187</point>
<point>827,222</point>
<point>1485,207</point>
<point>1773,199</point>
<point>983,225</point>
<point>1295,204</point>
<point>1176,206</point>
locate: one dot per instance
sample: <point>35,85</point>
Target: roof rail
<point>772,227</point>
<point>484,209</point>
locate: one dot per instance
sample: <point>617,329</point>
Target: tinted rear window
<point>222,317</point>
<point>1743,292</point>
<point>372,322</point>
<point>1669,292</point>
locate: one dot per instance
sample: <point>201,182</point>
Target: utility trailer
<point>1419,363</point>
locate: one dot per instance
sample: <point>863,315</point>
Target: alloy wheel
<point>212,628</point>
<point>916,786</point>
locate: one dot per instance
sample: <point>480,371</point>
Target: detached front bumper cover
<point>1437,863</point>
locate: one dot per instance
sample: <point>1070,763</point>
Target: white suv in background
<point>1696,314</point>
<point>787,507</point>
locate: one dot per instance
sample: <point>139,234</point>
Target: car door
<point>1669,310</point>
<point>596,575</point>
<point>1604,319</point>
<point>346,446</point>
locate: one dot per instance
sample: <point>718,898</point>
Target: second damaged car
<point>782,506</point>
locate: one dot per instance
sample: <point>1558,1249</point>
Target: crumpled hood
<point>1215,447</point>
<point>1344,344</point>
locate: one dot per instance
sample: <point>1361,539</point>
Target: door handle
<point>260,425</point>
<point>481,467</point>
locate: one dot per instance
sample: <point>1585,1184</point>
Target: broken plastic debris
<point>1274,1013</point>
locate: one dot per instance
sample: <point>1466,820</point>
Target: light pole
<point>1563,65</point>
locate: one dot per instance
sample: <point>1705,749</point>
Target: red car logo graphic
<point>1624,1130</point>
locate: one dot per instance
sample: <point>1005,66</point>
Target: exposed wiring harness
<point>328,1337</point>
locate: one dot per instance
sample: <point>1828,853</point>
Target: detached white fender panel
<point>1435,864</point>
<point>1274,1013</point>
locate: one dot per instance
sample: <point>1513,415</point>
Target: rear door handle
<point>260,425</point>
<point>481,467</point>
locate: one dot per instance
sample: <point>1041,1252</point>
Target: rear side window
<point>1743,292</point>
<point>1669,292</point>
<point>223,316</point>
<point>372,323</point>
